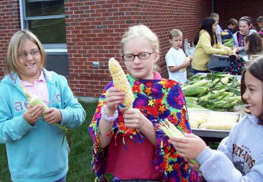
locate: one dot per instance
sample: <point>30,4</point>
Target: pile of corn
<point>214,91</point>
<point>212,120</point>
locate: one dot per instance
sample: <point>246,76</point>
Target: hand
<point>234,50</point>
<point>189,146</point>
<point>113,97</point>
<point>188,61</point>
<point>52,115</point>
<point>238,49</point>
<point>33,113</point>
<point>133,118</point>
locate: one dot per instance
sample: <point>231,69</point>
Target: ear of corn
<point>120,81</point>
<point>171,131</point>
<point>34,100</point>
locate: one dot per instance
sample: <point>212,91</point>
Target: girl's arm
<point>104,127</point>
<point>72,112</point>
<point>13,125</point>
<point>228,50</point>
<point>217,163</point>
<point>108,113</point>
<point>205,43</point>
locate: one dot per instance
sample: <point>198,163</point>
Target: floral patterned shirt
<point>160,101</point>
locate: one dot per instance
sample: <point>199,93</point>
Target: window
<point>46,19</point>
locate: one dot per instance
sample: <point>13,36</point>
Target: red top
<point>135,162</point>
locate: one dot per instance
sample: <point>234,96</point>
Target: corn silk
<point>160,101</point>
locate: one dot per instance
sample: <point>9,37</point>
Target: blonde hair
<point>140,31</point>
<point>175,33</point>
<point>144,32</point>
<point>16,46</point>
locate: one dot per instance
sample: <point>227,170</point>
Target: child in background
<point>253,46</point>
<point>261,34</point>
<point>176,60</point>
<point>239,156</point>
<point>37,150</point>
<point>260,22</point>
<point>219,29</point>
<point>227,35</point>
<point>206,45</point>
<point>245,28</point>
<point>126,142</point>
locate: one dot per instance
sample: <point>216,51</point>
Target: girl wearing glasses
<point>36,148</point>
<point>127,143</point>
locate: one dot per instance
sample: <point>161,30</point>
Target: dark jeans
<point>199,71</point>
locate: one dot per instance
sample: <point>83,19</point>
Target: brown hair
<point>255,68</point>
<point>254,44</point>
<point>260,19</point>
<point>232,21</point>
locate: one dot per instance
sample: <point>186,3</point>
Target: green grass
<point>79,157</point>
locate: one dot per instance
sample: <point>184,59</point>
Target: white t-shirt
<point>175,57</point>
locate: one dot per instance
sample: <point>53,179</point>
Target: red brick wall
<point>9,23</point>
<point>236,9</point>
<point>94,30</point>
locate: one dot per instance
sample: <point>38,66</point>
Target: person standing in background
<point>253,46</point>
<point>176,60</point>
<point>245,28</point>
<point>219,29</point>
<point>260,22</point>
<point>260,32</point>
<point>206,45</point>
<point>227,35</point>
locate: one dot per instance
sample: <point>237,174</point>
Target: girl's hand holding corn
<point>114,96</point>
<point>189,147</point>
<point>33,113</point>
<point>52,115</point>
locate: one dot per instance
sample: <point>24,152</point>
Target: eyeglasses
<point>33,52</point>
<point>141,56</point>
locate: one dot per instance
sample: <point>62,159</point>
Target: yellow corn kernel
<point>120,81</point>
